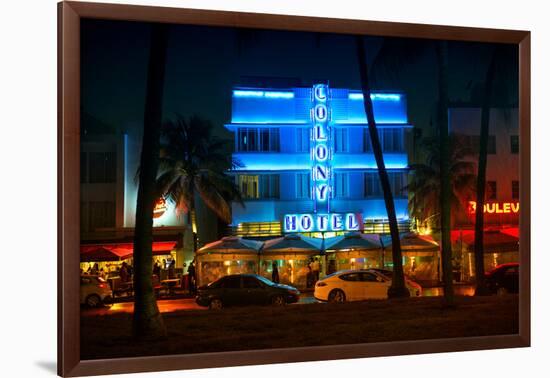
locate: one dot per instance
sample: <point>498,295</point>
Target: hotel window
<point>373,188</point>
<point>249,186</point>
<point>259,186</point>
<point>391,140</point>
<point>101,167</point>
<point>398,182</point>
<point>491,190</point>
<point>302,139</point>
<point>258,139</point>
<point>269,186</point>
<point>340,140</point>
<point>515,189</point>
<point>303,189</point>
<point>372,185</point>
<point>514,144</point>
<point>341,185</point>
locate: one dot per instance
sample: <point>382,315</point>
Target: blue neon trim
<point>257,94</point>
<point>376,96</point>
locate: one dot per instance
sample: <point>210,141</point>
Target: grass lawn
<point>108,336</point>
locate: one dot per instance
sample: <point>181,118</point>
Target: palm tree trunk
<point>445,176</point>
<point>147,320</point>
<point>397,288</point>
<point>481,289</point>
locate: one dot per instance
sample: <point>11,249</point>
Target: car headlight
<point>320,284</point>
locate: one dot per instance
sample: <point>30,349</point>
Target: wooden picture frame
<point>69,15</point>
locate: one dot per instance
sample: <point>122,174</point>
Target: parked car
<point>245,289</point>
<point>414,288</point>
<point>352,285</point>
<point>94,291</point>
<point>503,279</point>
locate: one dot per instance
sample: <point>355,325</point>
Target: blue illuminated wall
<point>291,115</point>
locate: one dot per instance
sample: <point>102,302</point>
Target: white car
<point>354,285</point>
<point>94,291</point>
<point>414,288</point>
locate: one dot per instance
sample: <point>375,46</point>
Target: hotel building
<point>305,162</point>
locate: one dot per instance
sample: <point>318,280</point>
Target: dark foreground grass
<point>244,328</point>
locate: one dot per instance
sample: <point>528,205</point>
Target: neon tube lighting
<point>376,96</point>
<point>257,94</point>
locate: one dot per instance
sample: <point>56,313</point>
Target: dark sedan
<point>245,289</point>
<point>503,279</point>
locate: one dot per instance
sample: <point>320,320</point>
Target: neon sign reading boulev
<point>320,222</point>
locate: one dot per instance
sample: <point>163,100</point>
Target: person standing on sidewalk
<point>274,272</point>
<point>191,275</point>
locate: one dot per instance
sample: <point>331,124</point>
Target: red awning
<point>120,251</point>
<point>493,240</point>
<point>100,254</point>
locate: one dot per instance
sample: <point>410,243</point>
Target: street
<point>180,304</point>
<point>165,305</point>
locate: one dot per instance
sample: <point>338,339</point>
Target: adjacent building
<point>501,207</point>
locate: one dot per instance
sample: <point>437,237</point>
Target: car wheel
<point>337,296</point>
<point>278,300</point>
<point>93,300</point>
<point>502,291</point>
<point>215,304</point>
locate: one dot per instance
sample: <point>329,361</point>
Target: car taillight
<point>321,283</point>
<point>102,286</point>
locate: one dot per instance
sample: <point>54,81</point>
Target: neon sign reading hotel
<point>321,153</point>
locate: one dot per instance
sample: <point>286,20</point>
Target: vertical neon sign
<point>321,174</point>
<point>321,152</point>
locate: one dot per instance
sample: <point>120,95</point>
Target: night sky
<point>204,63</point>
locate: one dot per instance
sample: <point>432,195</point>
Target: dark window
<point>233,282</point>
<point>264,138</point>
<point>491,191</point>
<point>269,186</point>
<point>251,283</point>
<point>391,140</point>
<point>373,188</point>
<point>341,185</point>
<point>350,277</point>
<point>515,189</point>
<point>340,140</point>
<point>372,185</point>
<point>102,167</point>
<point>514,144</point>
<point>303,189</point>
<point>258,139</point>
<point>101,215</point>
<point>302,139</point>
<point>369,277</point>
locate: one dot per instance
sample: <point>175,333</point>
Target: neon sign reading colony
<point>321,174</point>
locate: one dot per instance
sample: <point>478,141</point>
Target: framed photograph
<point>239,188</point>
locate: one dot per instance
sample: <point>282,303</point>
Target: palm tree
<point>397,288</point>
<point>147,320</point>
<point>193,163</point>
<point>481,289</point>
<point>425,186</point>
<point>444,171</point>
